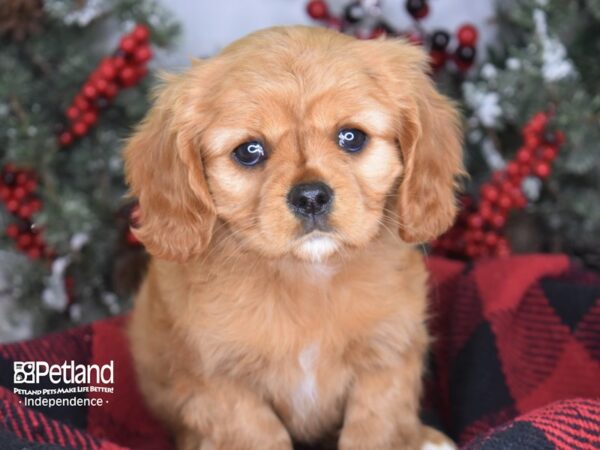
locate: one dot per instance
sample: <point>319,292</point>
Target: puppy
<point>281,185</point>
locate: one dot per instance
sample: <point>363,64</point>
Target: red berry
<point>417,8</point>
<point>25,212</point>
<point>477,235</point>
<point>107,69</point>
<point>22,178</point>
<point>34,253</point>
<point>525,170</point>
<point>141,33</point>
<point>317,9</point>
<point>549,153</point>
<point>532,141</point>
<point>467,35</point>
<point>72,113</point>
<point>24,241</point>
<point>90,117</point>
<point>538,122</point>
<point>498,221</point>
<point>524,156</point>
<point>142,54</point>
<point>507,186</point>
<point>475,221</point>
<point>491,239</point>
<point>108,72</point>
<point>111,90</point>
<point>505,202</point>
<point>5,193</point>
<point>502,251</point>
<point>118,63</point>
<point>80,129</point>
<point>438,59</point>
<point>128,76</point>
<point>35,205</point>
<point>521,201</point>
<point>472,250</point>
<point>559,136</point>
<point>485,211</point>
<point>101,84</point>
<point>81,103</point>
<point>19,193</point>
<point>512,169</point>
<point>128,44</point>
<point>490,193</point>
<point>542,170</point>
<point>12,205</point>
<point>89,91</point>
<point>65,138</point>
<point>12,231</point>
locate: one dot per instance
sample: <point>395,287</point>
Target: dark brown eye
<point>351,140</point>
<point>250,153</point>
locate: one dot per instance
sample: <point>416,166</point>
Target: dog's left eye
<point>351,139</point>
<point>250,153</point>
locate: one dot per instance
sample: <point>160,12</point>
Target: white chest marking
<point>318,247</point>
<point>305,395</point>
<point>442,446</point>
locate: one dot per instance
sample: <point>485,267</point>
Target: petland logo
<point>32,372</point>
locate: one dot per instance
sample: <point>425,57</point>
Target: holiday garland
<point>364,20</point>
<point>124,69</point>
<point>479,229</point>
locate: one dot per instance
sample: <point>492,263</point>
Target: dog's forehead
<point>309,59</point>
<point>298,83</point>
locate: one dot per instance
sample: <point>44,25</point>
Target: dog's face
<point>298,141</point>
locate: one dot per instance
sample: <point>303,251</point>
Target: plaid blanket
<point>515,365</point>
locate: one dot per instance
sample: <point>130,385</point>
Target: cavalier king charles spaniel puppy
<point>282,187</point>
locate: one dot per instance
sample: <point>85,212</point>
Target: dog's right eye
<point>250,153</point>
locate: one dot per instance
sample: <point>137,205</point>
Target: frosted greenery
<point>82,185</point>
<point>545,58</point>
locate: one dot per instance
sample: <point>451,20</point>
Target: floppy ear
<point>430,139</point>
<point>164,171</point>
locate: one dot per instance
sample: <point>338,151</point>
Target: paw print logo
<point>24,372</point>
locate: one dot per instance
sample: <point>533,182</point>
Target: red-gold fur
<point>245,333</point>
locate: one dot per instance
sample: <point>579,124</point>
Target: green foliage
<point>545,59</point>
<point>82,185</point>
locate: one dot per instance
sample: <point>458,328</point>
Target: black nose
<point>310,199</point>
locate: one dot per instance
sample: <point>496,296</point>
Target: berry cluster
<point>438,42</point>
<point>478,230</point>
<point>418,9</point>
<point>464,53</point>
<point>124,69</point>
<point>17,192</point>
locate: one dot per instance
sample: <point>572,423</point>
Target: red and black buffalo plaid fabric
<point>515,365</point>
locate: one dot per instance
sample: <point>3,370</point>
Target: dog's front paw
<point>432,439</point>
<point>210,445</point>
<point>191,441</point>
<point>359,438</point>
